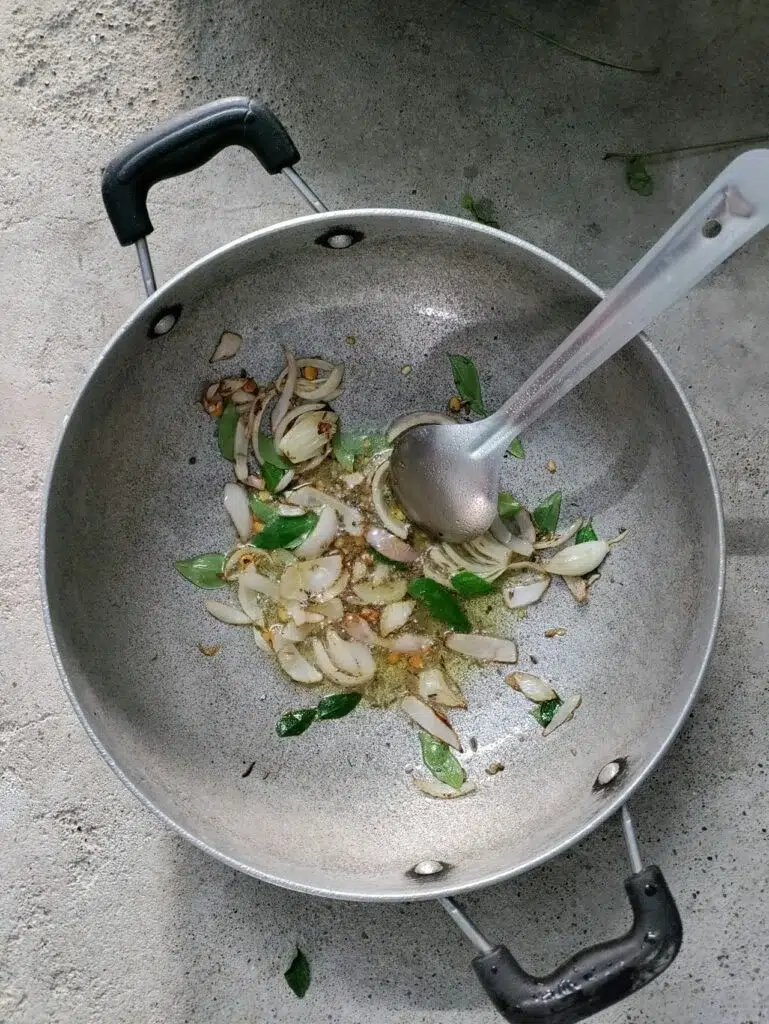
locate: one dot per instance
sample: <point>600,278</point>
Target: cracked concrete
<point>107,917</point>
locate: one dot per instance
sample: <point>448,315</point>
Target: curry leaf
<point>205,571</point>
<point>294,723</point>
<point>546,515</point>
<point>545,711</point>
<point>346,446</point>
<point>269,453</point>
<point>285,531</point>
<point>264,513</point>
<point>637,177</point>
<point>507,505</point>
<point>441,603</point>
<point>337,705</point>
<point>586,533</point>
<point>298,974</point>
<point>469,583</point>
<point>228,421</point>
<point>439,759</point>
<point>481,210</point>
<point>467,383</point>
<point>272,475</point>
<point>515,448</point>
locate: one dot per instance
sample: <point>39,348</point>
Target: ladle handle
<point>727,215</point>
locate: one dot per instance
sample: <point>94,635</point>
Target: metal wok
<point>136,483</point>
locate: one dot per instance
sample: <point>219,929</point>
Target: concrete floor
<point>105,915</point>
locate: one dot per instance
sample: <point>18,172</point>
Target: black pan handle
<point>183,144</point>
<point>594,978</point>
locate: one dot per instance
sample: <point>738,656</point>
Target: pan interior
<point>137,484</point>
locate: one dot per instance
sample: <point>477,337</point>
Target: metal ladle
<point>446,477</point>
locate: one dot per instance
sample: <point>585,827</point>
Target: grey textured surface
<point>105,915</point>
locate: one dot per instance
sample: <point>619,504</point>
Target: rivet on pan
<point>340,241</point>
<point>425,868</point>
<point>165,321</point>
<point>609,773</point>
<point>711,228</point>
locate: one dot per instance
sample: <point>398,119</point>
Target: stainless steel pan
<point>136,482</point>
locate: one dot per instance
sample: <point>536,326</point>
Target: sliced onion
<point>439,577</point>
<point>350,655</point>
<point>291,510</point>
<point>335,589</point>
<point>288,419</point>
<point>242,397</point>
<point>415,419</point>
<point>260,642</point>
<point>329,669</point>
<point>359,570</point>
<point>390,546</point>
<point>482,647</point>
<point>407,643</point>
<point>387,593</point>
<point>521,595</point>
<point>316,576</point>
<point>578,559</point>
<point>380,574</point>
<point>256,483</point>
<point>236,504</point>
<point>322,536</point>
<point>300,615</point>
<point>249,602</point>
<point>564,712</point>
<point>325,389</point>
<point>229,345</point>
<point>332,610</point>
<point>297,666</point>
<point>233,565</point>
<point>526,527</point>
<point>311,497</point>
<point>433,686</point>
<point>577,588</point>
<point>281,406</point>
<point>400,529</point>
<point>360,630</point>
<point>304,440</point>
<point>256,427</point>
<point>240,449</point>
<point>533,687</point>
<point>296,633</point>
<point>556,542</point>
<point>284,481</point>
<point>431,787</point>
<point>228,613</point>
<point>395,615</point>
<point>431,721</point>
<point>256,581</point>
<point>320,574</point>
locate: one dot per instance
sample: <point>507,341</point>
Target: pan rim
<point>427,889</point>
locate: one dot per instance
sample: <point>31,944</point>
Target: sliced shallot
<point>433,686</point>
<point>395,615</point>
<point>228,346</point>
<point>256,581</point>
<point>297,666</point>
<point>228,613</point>
<point>439,790</point>
<point>386,593</point>
<point>236,504</point>
<point>400,529</point>
<point>281,406</point>
<point>564,712</point>
<point>330,671</point>
<point>333,609</point>
<point>521,595</point>
<point>322,536</point>
<point>531,686</point>
<point>556,542</point>
<point>360,630</point>
<point>390,546</point>
<point>431,721</point>
<point>311,497</point>
<point>249,601</point>
<point>240,449</point>
<point>526,527</point>
<point>407,643</point>
<point>577,588</point>
<point>578,559</point>
<point>260,642</point>
<point>482,647</point>
<point>350,655</point>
